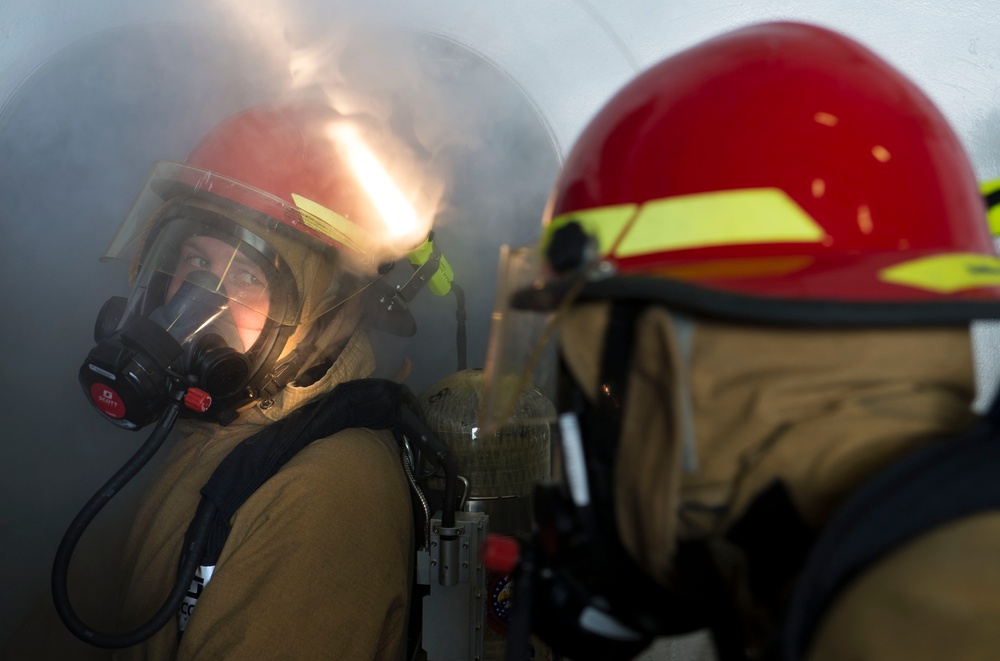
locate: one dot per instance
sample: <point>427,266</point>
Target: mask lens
<point>242,279</point>
<point>241,283</point>
<point>198,307</point>
<point>192,268</point>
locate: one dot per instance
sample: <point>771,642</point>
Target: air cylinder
<point>502,468</point>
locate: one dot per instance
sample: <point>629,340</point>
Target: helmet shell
<point>286,152</point>
<point>781,161</point>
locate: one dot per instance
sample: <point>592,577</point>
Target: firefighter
<point>250,263</point>
<point>760,263</point>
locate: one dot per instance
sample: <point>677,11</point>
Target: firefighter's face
<point>244,281</point>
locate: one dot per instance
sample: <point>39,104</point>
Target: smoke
<point>459,136</point>
<point>77,139</point>
<point>471,130</point>
<point>78,135</point>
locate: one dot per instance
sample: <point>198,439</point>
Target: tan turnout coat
<point>717,412</point>
<point>317,564</point>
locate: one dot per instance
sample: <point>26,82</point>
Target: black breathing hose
<point>60,568</point>
<point>450,481</point>
<point>460,335</point>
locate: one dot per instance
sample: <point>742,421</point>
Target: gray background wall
<point>91,93</point>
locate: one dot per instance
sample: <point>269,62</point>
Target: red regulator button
<point>197,400</point>
<point>107,400</point>
<point>500,553</point>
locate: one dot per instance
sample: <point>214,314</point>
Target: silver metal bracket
<point>455,609</point>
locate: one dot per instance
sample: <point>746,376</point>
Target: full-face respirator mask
<point>201,318</point>
<point>184,346</point>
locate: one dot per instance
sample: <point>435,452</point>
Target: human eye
<point>249,279</point>
<point>247,285</point>
<point>195,260</point>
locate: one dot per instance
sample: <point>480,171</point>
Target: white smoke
<point>77,138</point>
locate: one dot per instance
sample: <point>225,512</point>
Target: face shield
<point>576,586</point>
<point>320,257</point>
<point>521,353</point>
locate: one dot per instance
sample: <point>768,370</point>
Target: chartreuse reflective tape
<point>331,224</point>
<point>440,282</point>
<point>758,215</point>
<point>945,274</point>
<point>701,220</point>
<point>991,195</point>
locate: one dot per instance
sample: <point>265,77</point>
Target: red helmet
<point>291,167</point>
<point>779,172</point>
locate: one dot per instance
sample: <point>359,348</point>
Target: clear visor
<point>274,261</point>
<point>521,354</point>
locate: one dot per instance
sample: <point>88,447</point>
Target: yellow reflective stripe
<point>330,223</point>
<point>752,215</point>
<point>945,274</point>
<point>755,215</point>
<point>992,188</point>
<point>606,224</point>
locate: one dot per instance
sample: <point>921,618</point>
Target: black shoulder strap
<point>370,403</point>
<point>943,482</point>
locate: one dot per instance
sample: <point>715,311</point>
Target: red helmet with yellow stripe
<point>780,163</point>
<point>780,173</point>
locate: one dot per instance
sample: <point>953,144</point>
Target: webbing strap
<point>776,542</point>
<point>935,485</point>
<point>370,403</point>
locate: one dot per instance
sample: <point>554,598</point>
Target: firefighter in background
<point>265,222</point>
<point>760,262</point>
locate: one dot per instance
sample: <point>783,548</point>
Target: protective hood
<point>716,412</point>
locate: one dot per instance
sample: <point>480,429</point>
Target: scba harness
<point>377,404</point>
<point>936,485</point>
<point>950,479</point>
<point>941,483</point>
<point>362,403</point>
